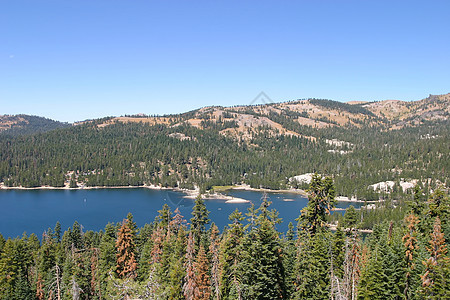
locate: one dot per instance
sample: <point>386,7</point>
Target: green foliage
<point>330,104</point>
<point>135,154</point>
<point>261,268</point>
<point>338,252</point>
<point>399,260</point>
<point>320,203</point>
<point>350,217</point>
<point>199,221</point>
<point>26,124</point>
<point>231,255</point>
<point>312,266</point>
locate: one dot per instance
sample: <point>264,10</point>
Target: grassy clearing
<point>221,188</point>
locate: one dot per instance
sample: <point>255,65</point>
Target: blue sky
<point>74,60</point>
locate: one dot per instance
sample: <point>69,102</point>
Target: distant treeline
<point>136,154</point>
<point>330,104</point>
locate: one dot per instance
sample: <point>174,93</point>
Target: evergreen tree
<point>203,290</point>
<point>190,288</point>
<point>230,257</point>
<point>107,258</point>
<point>73,237</point>
<point>2,242</point>
<point>164,216</point>
<point>320,202</point>
<point>313,266</point>
<point>350,217</point>
<point>9,270</point>
<point>436,280</point>
<point>126,265</point>
<point>57,232</point>
<point>372,282</point>
<point>215,263</point>
<point>176,271</point>
<point>289,257</point>
<point>199,221</point>
<point>338,252</point>
<point>411,246</point>
<point>261,267</point>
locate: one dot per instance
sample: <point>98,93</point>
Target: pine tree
<point>230,256</point>
<point>350,217</point>
<point>40,289</point>
<point>199,221</point>
<point>352,265</point>
<point>417,205</point>
<point>73,237</point>
<point>411,246</point>
<point>312,267</point>
<point>107,258</point>
<point>190,288</point>
<point>436,280</point>
<point>2,242</point>
<point>338,252</point>
<point>215,264</point>
<point>164,216</point>
<point>261,266</point>
<point>394,264</point>
<point>290,253</point>
<point>57,232</point>
<point>126,265</point>
<point>371,285</point>
<point>177,272</point>
<point>321,194</point>
<point>203,290</point>
<point>157,238</point>
<point>15,263</point>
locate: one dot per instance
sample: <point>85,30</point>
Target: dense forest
<point>172,258</point>
<point>185,156</point>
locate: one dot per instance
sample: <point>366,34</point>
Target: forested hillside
<point>173,259</point>
<point>263,146</point>
<point>25,124</point>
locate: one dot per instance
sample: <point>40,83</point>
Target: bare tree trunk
<point>75,289</point>
<point>58,288</point>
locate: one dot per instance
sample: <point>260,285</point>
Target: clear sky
<point>72,60</point>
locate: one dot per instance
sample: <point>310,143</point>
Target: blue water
<point>34,211</point>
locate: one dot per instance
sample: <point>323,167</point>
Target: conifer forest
<point>177,257</point>
<point>224,150</point>
<point>394,247</point>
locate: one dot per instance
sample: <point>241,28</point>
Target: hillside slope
<point>360,145</point>
<point>25,124</point>
<point>288,117</point>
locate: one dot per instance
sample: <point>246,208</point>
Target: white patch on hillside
<point>339,151</point>
<point>304,178</point>
<point>180,136</point>
<point>338,143</point>
<point>386,186</point>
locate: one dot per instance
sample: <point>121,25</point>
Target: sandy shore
<point>215,196</point>
<point>153,187</point>
<point>191,194</point>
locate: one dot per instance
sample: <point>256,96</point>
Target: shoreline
<point>191,194</point>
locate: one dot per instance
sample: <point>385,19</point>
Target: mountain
<point>360,144</point>
<point>401,113</point>
<point>26,124</point>
<point>283,118</point>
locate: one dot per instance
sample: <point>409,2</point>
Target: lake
<point>33,211</point>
